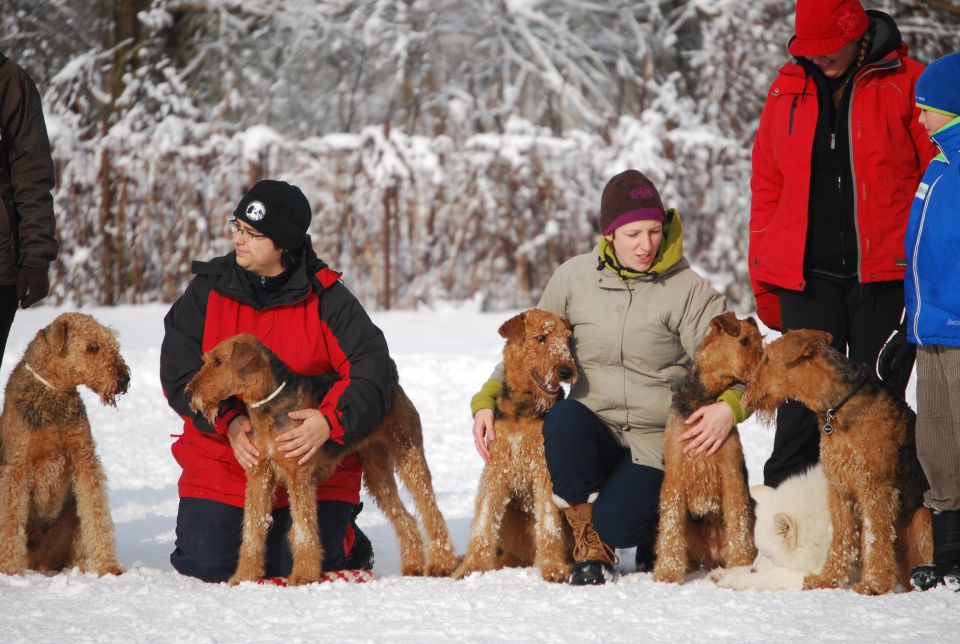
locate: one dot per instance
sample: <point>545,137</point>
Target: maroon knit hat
<point>824,26</point>
<point>630,196</point>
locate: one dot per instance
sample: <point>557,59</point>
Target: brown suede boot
<point>593,559</point>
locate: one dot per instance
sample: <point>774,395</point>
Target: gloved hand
<point>895,361</point>
<point>32,285</point>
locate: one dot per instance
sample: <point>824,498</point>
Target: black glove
<point>32,285</point>
<point>895,361</point>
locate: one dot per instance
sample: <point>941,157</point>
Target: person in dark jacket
<point>836,161</point>
<point>274,286</point>
<point>27,241</point>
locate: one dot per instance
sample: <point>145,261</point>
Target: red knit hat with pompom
<point>824,26</point>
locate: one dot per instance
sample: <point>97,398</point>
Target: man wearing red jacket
<point>273,286</point>
<point>836,162</point>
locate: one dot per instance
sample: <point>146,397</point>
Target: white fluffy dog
<point>792,534</point>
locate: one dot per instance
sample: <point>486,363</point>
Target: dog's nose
<point>564,373</point>
<point>124,380</point>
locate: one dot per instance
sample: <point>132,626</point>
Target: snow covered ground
<point>443,356</point>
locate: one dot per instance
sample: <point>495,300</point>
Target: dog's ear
<point>55,335</point>
<point>750,320</point>
<point>801,343</point>
<point>786,528</point>
<point>726,323</point>
<point>246,359</point>
<point>816,336</point>
<point>514,329</point>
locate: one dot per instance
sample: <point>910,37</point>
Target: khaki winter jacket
<point>26,176</point>
<point>632,339</point>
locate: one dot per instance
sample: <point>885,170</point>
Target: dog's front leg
<point>737,518</point>
<point>15,489</point>
<point>672,558</point>
<point>843,545</point>
<point>96,526</point>
<point>879,508</point>
<point>551,557</point>
<point>257,518</point>
<point>304,535</point>
<point>492,498</point>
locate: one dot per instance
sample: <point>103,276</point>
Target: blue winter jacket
<point>932,280</point>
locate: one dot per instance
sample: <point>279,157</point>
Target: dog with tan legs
<point>516,521</point>
<point>868,454</point>
<point>53,499</point>
<point>243,366</point>
<point>706,516</point>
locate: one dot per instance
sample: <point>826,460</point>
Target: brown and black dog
<point>242,366</point>
<point>868,453</point>
<point>706,515</point>
<point>516,521</point>
<point>53,498</point>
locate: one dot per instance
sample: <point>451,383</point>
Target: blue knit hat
<point>938,88</point>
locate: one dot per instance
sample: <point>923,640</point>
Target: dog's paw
<point>556,572</point>
<point>668,572</point>
<point>11,568</point>
<point>416,569</point>
<point>467,568</point>
<point>109,568</point>
<point>873,587</point>
<point>814,582</point>
<point>717,574</point>
<point>441,563</point>
<point>300,579</point>
<point>240,577</point>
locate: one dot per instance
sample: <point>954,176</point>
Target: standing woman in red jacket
<point>836,162</point>
<point>273,286</point>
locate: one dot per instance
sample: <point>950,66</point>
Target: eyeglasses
<point>248,233</point>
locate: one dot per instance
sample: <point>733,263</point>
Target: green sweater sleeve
<point>486,398</point>
<point>732,397</point>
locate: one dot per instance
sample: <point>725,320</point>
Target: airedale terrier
<point>706,516</point>
<point>242,366</point>
<point>868,453</point>
<point>517,521</point>
<point>53,500</point>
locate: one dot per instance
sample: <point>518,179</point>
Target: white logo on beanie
<point>256,211</point>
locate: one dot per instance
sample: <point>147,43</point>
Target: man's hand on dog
<point>483,432</point>
<point>304,440</point>
<point>243,449</point>
<point>711,426</point>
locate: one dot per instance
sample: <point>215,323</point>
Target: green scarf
<point>669,253</point>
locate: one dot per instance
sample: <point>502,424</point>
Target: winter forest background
<point>452,149</point>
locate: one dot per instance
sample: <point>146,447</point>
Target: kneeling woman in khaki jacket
<point>638,312</point>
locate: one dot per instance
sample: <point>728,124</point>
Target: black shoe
<point>925,577</point>
<point>929,576</point>
<point>361,554</point>
<point>646,557</point>
<point>591,573</point>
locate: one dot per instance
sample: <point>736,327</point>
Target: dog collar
<point>275,393</point>
<point>832,412</point>
<point>36,375</point>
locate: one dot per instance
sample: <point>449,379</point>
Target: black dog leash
<point>832,412</point>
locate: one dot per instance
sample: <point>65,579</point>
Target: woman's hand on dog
<point>243,449</point>
<point>483,432</point>
<point>304,440</point>
<point>711,426</point>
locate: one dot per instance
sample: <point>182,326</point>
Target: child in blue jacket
<point>932,292</point>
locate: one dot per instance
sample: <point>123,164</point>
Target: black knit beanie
<point>278,210</point>
<point>630,196</point>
